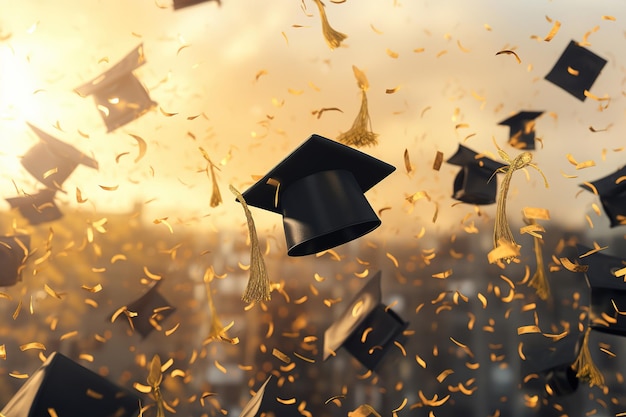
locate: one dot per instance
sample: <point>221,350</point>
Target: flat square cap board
<point>51,161</point>
<point>71,390</point>
<point>612,192</point>
<point>119,95</point>
<point>180,4</point>
<point>37,208</point>
<point>13,253</point>
<point>476,182</point>
<point>576,70</point>
<point>367,329</point>
<point>522,129</point>
<point>608,291</point>
<point>319,189</point>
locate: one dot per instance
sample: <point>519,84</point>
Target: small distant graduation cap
<point>476,182</point>
<point>37,208</point>
<point>608,292</point>
<point>552,365</point>
<point>612,192</point>
<point>51,161</point>
<point>13,253</point>
<point>71,390</point>
<point>319,189</point>
<point>365,312</point>
<point>179,4</point>
<point>119,95</point>
<point>152,309</point>
<point>576,70</point>
<point>522,129</point>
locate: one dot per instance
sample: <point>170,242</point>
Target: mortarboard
<point>522,129</point>
<point>37,208</point>
<point>612,191</point>
<point>608,292</point>
<point>119,95</point>
<point>13,253</point>
<point>552,365</point>
<point>475,183</point>
<point>320,194</point>
<point>367,328</point>
<point>51,161</point>
<point>179,4</point>
<point>151,309</point>
<point>576,70</point>
<point>65,388</point>
<point>264,402</point>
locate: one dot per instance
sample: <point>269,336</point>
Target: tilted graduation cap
<point>119,95</point>
<point>608,292</point>
<point>551,363</point>
<point>179,4</point>
<point>151,309</point>
<point>321,194</point>
<point>367,328</point>
<point>37,208</point>
<point>264,402</point>
<point>612,192</point>
<point>576,70</point>
<point>70,390</point>
<point>51,161</point>
<point>476,182</point>
<point>13,253</point>
<point>522,129</point>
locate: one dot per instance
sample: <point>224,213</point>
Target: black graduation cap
<point>608,292</point>
<point>365,318</point>
<point>71,390</point>
<point>119,95</point>
<point>37,208</point>
<point>151,309</point>
<point>264,402</point>
<point>612,195</point>
<point>576,70</point>
<point>552,364</point>
<point>475,183</point>
<point>51,161</point>
<point>179,4</point>
<point>321,194</point>
<point>13,253</point>
<point>522,129</point>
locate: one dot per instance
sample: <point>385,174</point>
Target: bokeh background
<point>243,81</point>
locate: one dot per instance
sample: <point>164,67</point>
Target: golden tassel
<point>154,380</point>
<point>502,232</point>
<point>217,331</point>
<point>332,37</point>
<point>360,134</point>
<point>585,369</point>
<point>539,280</point>
<point>258,288</point>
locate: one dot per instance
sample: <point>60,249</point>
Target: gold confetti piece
<point>93,394</point>
<point>281,356</point>
<point>612,18</point>
<point>378,32</point>
<point>172,330</point>
<point>401,406</point>
<point>3,352</point>
<point>443,375</point>
<point>18,375</point>
<point>434,402</point>
<point>553,31</point>
<point>325,109</point>
<point>536,213</point>
<point>483,300</point>
<point>528,329</point>
<point>438,161</point>
<point>509,52</point>
<point>442,53</point>
<point>118,257</point>
<point>392,90</point>
<point>304,358</point>
<point>164,113</point>
<point>51,292</point>
<point>399,346</point>
<point>407,162</point>
<point>178,373</point>
<point>68,335</point>
<point>94,289</point>
<point>443,275</point>
<point>421,362</point>
<point>392,54</point>
<point>487,27</point>
<point>573,267</point>
<point>393,259</point>
<point>463,49</point>
<point>32,345</point>
<point>86,357</point>
<point>143,146</point>
<point>109,188</point>
<point>220,367</point>
<point>144,389</point>
<point>287,401</point>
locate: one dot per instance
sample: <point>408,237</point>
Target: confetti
<point>553,31</point>
<point>438,161</point>
<point>32,345</point>
<point>509,52</point>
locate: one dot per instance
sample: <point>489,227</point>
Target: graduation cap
<point>264,402</point>
<point>319,189</point>
<point>13,253</point>
<point>608,292</point>
<point>37,208</point>
<point>67,389</point>
<point>475,183</point>
<point>51,161</point>
<point>151,309</point>
<point>612,191</point>
<point>522,129</point>
<point>179,4</point>
<point>552,365</point>
<point>576,70</point>
<point>119,95</point>
<point>366,329</point>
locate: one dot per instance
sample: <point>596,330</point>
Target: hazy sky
<point>257,71</point>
